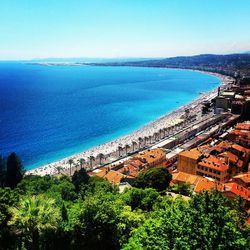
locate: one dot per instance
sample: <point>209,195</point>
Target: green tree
<point>128,221</point>
<point>183,188</point>
<point>8,198</point>
<point>91,159</point>
<point>33,216</point>
<point>81,162</point>
<point>208,221</point>
<point>2,171</point>
<point>96,224</point>
<point>141,198</point>
<point>79,178</point>
<point>158,178</point>
<point>15,171</point>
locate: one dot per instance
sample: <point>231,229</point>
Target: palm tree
<point>164,132</point>
<point>81,162</point>
<point>133,145</point>
<point>150,138</point>
<point>155,135</point>
<point>160,133</point>
<point>119,150</point>
<point>33,216</point>
<point>70,161</point>
<point>91,159</point>
<point>145,139</point>
<point>100,156</point>
<point>140,141</point>
<point>126,148</point>
<point>59,169</point>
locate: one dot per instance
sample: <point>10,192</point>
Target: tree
<point>97,222</point>
<point>160,133</point>
<point>101,157</point>
<point>134,143</point>
<point>70,161</point>
<point>126,148</point>
<point>15,171</point>
<point>79,178</point>
<point>8,198</point>
<point>81,162</point>
<point>59,169</point>
<point>140,141</point>
<point>143,199</point>
<point>155,135</point>
<point>2,171</point>
<point>150,138</point>
<point>91,159</point>
<point>119,150</point>
<point>183,188</point>
<point>208,221</point>
<point>158,178</point>
<point>33,216</point>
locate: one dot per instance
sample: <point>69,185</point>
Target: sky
<point>122,28</point>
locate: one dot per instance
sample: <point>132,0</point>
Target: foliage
<point>8,198</point>
<point>82,212</point>
<point>33,216</point>
<point>143,199</point>
<point>79,178</point>
<point>183,188</point>
<point>207,222</point>
<point>14,172</point>
<point>158,178</point>
<point>2,171</point>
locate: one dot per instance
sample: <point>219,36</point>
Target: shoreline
<point>110,149</point>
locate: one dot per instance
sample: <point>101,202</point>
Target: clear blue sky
<point>122,28</point>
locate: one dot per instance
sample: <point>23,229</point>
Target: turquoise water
<point>50,112</point>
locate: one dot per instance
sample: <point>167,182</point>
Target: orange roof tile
<point>193,154</point>
<point>114,177</point>
<point>243,177</point>
<point>237,190</point>
<point>214,163</point>
<point>205,184</point>
<point>229,156</point>
<point>152,155</point>
<point>240,148</point>
<point>243,126</point>
<point>185,178</point>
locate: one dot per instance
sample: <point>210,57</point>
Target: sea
<point>51,112</point>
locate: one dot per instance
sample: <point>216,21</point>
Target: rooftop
<point>152,155</point>
<point>243,177</point>
<point>237,190</point>
<point>193,154</point>
<point>214,163</point>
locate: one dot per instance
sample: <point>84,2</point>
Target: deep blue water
<point>47,113</point>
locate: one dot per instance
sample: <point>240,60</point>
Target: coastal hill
<point>226,64</point>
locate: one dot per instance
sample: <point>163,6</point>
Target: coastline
<point>110,149</point>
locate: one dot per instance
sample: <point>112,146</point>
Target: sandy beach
<point>169,123</point>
